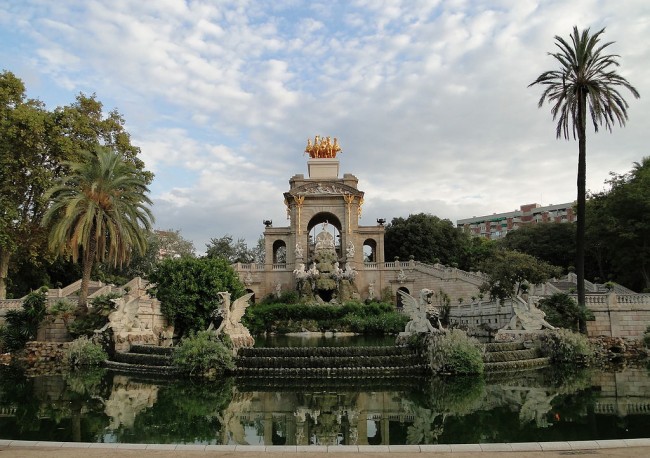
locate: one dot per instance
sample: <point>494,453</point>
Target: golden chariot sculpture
<point>322,148</point>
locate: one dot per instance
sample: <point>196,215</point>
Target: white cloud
<point>428,99</point>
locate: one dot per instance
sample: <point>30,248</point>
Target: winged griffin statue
<point>417,310</point>
<point>231,314</point>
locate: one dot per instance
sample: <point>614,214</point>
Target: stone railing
<point>252,266</point>
<point>638,299</point>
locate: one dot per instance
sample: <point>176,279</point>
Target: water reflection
<point>544,405</point>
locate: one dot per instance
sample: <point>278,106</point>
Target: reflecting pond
<point>311,339</point>
<point>545,405</point>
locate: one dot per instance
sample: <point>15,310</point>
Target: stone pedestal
<point>241,340</point>
<point>323,168</point>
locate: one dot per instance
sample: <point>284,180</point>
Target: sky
<point>429,99</point>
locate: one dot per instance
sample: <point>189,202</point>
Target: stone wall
<point>53,331</point>
<point>625,316</point>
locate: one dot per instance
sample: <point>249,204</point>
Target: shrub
<point>646,337</point>
<point>456,353</point>
<point>202,354</point>
<point>96,317</point>
<point>564,312</point>
<point>375,318</point>
<point>83,352</point>
<point>62,309</point>
<point>188,288</point>
<point>22,325</point>
<point>567,347</point>
<point>3,332</point>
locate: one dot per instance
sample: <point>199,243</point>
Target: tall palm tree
<point>585,80</point>
<point>99,213</point>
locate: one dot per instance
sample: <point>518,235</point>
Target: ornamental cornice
<point>323,189</point>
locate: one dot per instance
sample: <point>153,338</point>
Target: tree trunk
<point>5,255</point>
<point>582,180</point>
<point>88,260</point>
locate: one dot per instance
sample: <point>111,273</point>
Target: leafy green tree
<point>617,228</point>
<point>26,171</point>
<point>586,82</point>
<point>427,237</point>
<point>233,251</point>
<point>34,145</point>
<point>259,251</point>
<point>99,213</point>
<point>562,311</point>
<point>188,290</point>
<point>475,251</point>
<point>551,242</point>
<point>160,245</point>
<point>508,270</point>
<point>82,126</point>
<point>22,325</point>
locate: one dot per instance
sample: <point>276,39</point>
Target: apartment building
<point>497,225</point>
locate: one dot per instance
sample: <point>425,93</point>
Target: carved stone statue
<point>349,273</point>
<point>232,314</point>
<point>298,251</point>
<point>527,316</point>
<point>324,241</point>
<point>417,310</point>
<point>127,327</point>
<point>349,251</point>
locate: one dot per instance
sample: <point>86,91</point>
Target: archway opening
<point>279,252</point>
<point>369,250</point>
<point>323,222</point>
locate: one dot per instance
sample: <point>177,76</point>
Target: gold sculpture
<point>322,147</point>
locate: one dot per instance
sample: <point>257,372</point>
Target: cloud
<point>429,100</point>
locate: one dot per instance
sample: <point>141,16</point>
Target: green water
<point>545,405</point>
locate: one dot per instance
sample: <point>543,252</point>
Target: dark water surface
<point>545,405</point>
<point>309,339</point>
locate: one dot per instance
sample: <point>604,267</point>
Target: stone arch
<point>334,227</point>
<point>370,250</point>
<point>252,299</point>
<point>279,252</point>
<point>399,302</point>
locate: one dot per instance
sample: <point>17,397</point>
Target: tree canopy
<point>508,270</point>
<point>618,222</point>
<point>35,145</point>
<point>426,237</point>
<point>187,289</point>
<point>553,243</point>
<point>27,168</point>
<point>235,251</point>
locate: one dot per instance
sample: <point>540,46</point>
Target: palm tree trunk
<point>582,180</point>
<point>5,255</point>
<point>88,260</point>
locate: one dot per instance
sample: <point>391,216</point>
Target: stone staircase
<point>323,362</point>
<point>143,359</point>
<point>509,356</point>
<point>309,363</point>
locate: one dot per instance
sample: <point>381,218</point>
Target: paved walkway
<point>607,448</point>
